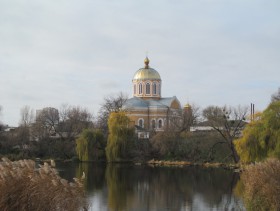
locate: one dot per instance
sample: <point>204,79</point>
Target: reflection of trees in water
<point>94,172</point>
<point>130,187</point>
<point>95,175</point>
<point>155,188</point>
<point>211,183</point>
<point>175,187</point>
<point>120,184</point>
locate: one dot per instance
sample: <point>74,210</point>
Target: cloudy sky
<point>208,52</point>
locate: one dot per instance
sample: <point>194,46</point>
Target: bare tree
<point>24,131</point>
<point>57,129</point>
<point>228,122</point>
<point>27,116</point>
<point>48,119</point>
<point>111,104</point>
<point>67,122</point>
<point>276,96</point>
<point>186,118</point>
<point>73,120</point>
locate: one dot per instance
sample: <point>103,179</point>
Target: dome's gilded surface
<point>146,72</point>
<point>187,106</point>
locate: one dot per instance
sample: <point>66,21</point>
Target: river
<point>118,187</point>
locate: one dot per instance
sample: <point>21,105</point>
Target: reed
<point>262,185</point>
<point>25,187</point>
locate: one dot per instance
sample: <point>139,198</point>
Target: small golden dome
<point>187,106</point>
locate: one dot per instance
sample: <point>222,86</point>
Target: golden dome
<point>187,106</point>
<point>146,72</point>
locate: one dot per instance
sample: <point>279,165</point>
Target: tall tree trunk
<point>234,153</point>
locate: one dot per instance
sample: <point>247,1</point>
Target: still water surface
<point>120,187</point>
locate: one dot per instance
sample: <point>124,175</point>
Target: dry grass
<point>24,187</point>
<point>262,185</point>
<point>169,163</point>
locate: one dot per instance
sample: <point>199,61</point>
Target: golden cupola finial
<point>146,61</point>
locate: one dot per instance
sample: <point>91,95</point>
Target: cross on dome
<point>146,62</point>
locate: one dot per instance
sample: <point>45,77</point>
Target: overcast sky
<point>210,52</point>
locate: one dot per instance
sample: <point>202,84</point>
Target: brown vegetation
<point>193,147</point>
<point>169,163</point>
<point>25,187</point>
<point>262,185</point>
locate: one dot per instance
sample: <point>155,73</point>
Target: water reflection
<point>130,187</point>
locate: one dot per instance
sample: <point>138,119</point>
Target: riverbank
<point>153,162</point>
<point>167,163</point>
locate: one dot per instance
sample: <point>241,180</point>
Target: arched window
<point>134,89</point>
<point>141,123</point>
<point>159,89</point>
<point>148,88</point>
<point>153,124</point>
<point>154,88</point>
<point>140,89</point>
<point>160,123</point>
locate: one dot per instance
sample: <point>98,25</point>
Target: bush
<point>262,185</point>
<point>23,187</point>
<point>142,151</point>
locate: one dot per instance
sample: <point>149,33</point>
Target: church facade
<point>147,109</point>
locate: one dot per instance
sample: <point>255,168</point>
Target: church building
<point>147,110</point>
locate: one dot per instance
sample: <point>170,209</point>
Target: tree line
<point>52,132</point>
<point>72,131</point>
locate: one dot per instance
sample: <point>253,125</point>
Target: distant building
<point>206,126</point>
<point>9,129</point>
<point>202,126</point>
<point>147,110</point>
